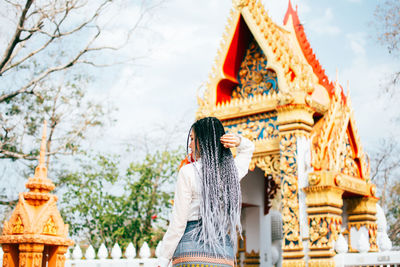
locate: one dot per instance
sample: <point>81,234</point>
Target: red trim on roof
<point>307,50</point>
<point>233,60</point>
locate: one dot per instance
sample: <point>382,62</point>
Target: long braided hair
<point>220,188</point>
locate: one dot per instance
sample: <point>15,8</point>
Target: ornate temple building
<point>309,184</point>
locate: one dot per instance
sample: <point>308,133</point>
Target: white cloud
<point>357,43</point>
<point>373,114</point>
<point>324,24</point>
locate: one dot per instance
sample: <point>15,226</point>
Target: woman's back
<point>207,200</point>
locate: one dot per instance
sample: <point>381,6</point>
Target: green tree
<point>148,188</point>
<point>50,52</point>
<point>103,205</point>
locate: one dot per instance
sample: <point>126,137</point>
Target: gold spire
<point>43,144</point>
<point>41,170</point>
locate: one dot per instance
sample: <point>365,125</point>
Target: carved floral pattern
<point>323,230</point>
<point>289,189</point>
<point>333,149</point>
<point>288,148</point>
<point>254,77</point>
<point>349,166</point>
<point>254,127</point>
<point>269,164</point>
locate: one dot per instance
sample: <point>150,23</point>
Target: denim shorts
<point>189,251</point>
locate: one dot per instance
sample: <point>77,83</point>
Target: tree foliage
<point>46,50</point>
<point>101,204</point>
<point>387,24</point>
<point>385,174</point>
<point>51,52</point>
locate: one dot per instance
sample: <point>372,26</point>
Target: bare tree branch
<point>16,38</point>
<point>9,203</point>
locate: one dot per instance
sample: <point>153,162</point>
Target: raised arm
<point>244,150</point>
<point>243,156</point>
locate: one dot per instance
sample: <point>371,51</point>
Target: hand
<point>230,140</point>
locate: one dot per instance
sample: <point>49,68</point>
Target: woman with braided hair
<point>207,204</point>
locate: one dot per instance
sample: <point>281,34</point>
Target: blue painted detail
<point>254,77</point>
<point>256,128</point>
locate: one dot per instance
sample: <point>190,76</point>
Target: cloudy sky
<point>185,34</point>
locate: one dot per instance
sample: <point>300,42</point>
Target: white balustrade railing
<point>384,257</point>
<point>115,258</point>
<point>105,259</point>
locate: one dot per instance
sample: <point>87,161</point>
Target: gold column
<point>361,212</point>
<point>294,120</point>
<point>324,211</point>
<point>30,255</point>
<point>10,256</point>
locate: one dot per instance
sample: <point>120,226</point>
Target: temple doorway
<point>254,249</point>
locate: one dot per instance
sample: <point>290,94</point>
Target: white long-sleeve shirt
<point>188,197</point>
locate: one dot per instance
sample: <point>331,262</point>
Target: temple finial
<point>43,144</point>
<point>239,4</point>
<point>41,170</point>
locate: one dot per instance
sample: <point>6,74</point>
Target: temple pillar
<point>361,213</point>
<point>294,120</point>
<point>30,255</point>
<point>10,256</point>
<point>324,209</point>
<point>57,256</point>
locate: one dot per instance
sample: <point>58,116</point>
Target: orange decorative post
<point>36,235</point>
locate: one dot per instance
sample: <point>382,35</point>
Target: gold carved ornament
<point>336,143</point>
<point>290,211</point>
<point>254,77</point>
<point>18,227</point>
<point>50,227</point>
<point>323,230</point>
<point>256,127</point>
<point>288,148</point>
